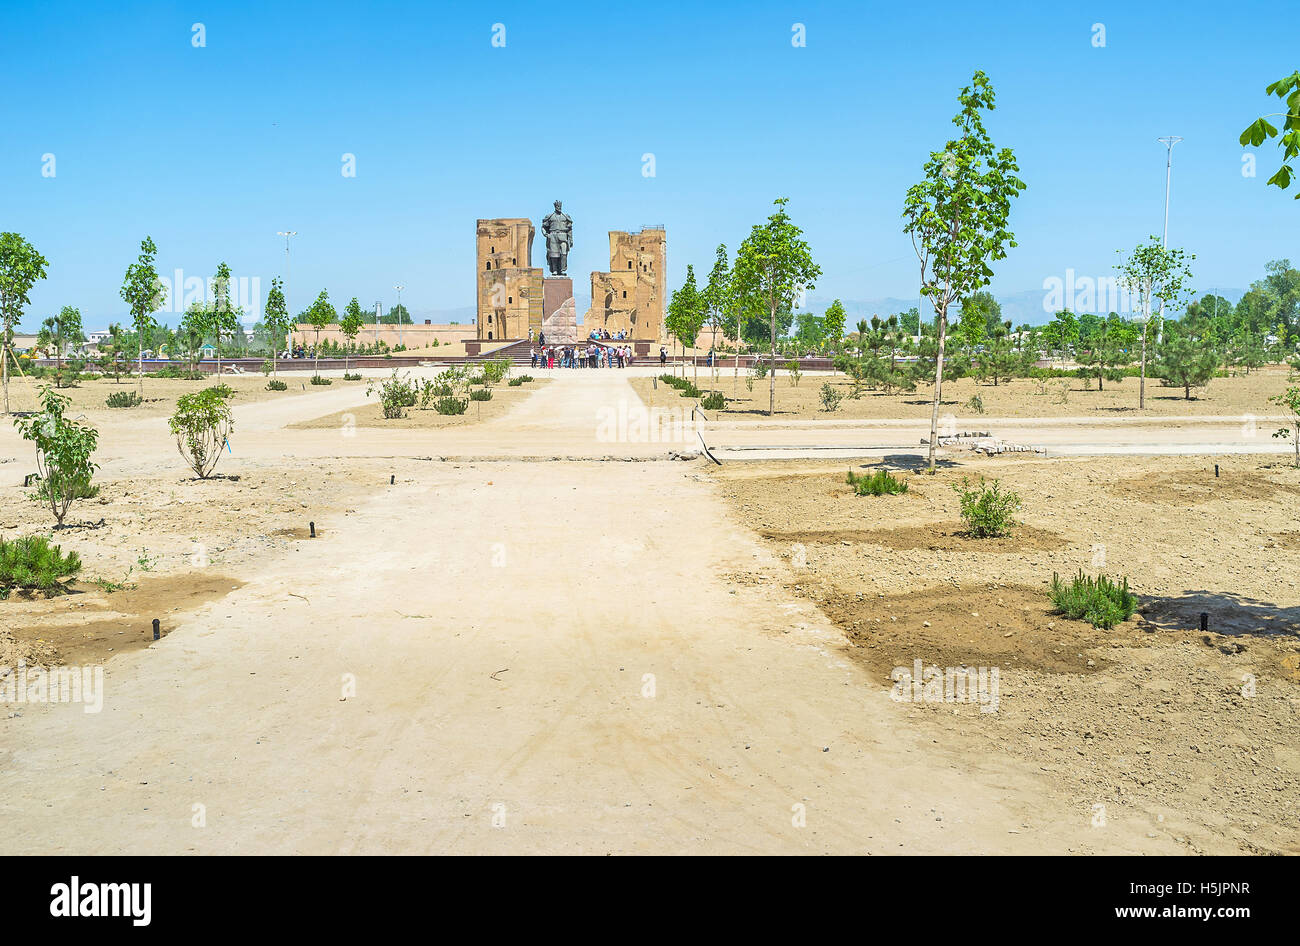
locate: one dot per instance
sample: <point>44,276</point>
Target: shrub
<point>713,401</point>
<point>1099,601</point>
<point>495,371</point>
<point>395,394</point>
<point>482,394</point>
<point>31,564</point>
<point>479,378</point>
<point>170,371</point>
<point>880,483</point>
<point>760,368</point>
<point>792,369</point>
<point>830,397</point>
<point>202,425</point>
<point>351,377</point>
<point>317,379</point>
<point>124,399</point>
<point>515,382</point>
<point>274,385</point>
<point>63,450</point>
<point>451,405</point>
<point>526,378</point>
<point>986,508</point>
<point>976,404</point>
<point>223,390</point>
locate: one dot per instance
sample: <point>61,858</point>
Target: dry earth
<point>593,657</point>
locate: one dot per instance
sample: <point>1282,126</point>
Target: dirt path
<point>499,621</point>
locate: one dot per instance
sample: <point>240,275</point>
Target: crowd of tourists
<point>580,356</point>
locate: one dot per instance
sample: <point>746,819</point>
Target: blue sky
<point>212,150</point>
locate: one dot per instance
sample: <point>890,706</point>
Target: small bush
<point>31,564</point>
<point>880,483</point>
<point>526,378</point>
<point>317,379</point>
<point>482,394</point>
<point>451,405</point>
<point>792,369</point>
<point>351,377</point>
<point>713,401</point>
<point>515,382</point>
<point>222,390</point>
<point>976,404</point>
<point>183,374</point>
<point>124,399</point>
<point>274,385</point>
<point>986,508</point>
<point>1099,601</point>
<point>830,397</point>
<point>202,425</point>
<point>395,394</point>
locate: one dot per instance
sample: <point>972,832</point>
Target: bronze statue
<point>557,227</point>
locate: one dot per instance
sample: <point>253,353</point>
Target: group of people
<point>580,356</point>
<point>602,334</point>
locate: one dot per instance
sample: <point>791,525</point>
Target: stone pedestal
<point>559,311</point>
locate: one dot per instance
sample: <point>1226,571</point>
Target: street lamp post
<point>400,310</point>
<point>1168,141</point>
<point>288,310</point>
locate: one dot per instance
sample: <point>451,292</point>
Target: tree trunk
<point>938,385</point>
<point>1142,381</point>
<point>139,372</point>
<point>771,388</point>
<point>4,371</point>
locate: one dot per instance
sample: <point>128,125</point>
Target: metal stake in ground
<point>312,526</point>
<point>157,629</point>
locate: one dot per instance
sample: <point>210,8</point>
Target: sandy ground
<point>1202,728</point>
<point>505,655</point>
<point>1021,398</point>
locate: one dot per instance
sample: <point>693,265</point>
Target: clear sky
<point>210,150</point>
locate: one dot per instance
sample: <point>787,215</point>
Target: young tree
<point>351,324</point>
<point>833,325</point>
<point>112,348</point>
<point>277,321</point>
<point>773,267</point>
<point>193,332</point>
<point>202,425</point>
<point>58,332</point>
<point>718,303</point>
<point>1190,362</point>
<point>686,314</point>
<point>145,294</point>
<point>1290,399</point>
<point>1287,88</point>
<point>20,267</point>
<point>223,315</point>
<point>63,451</point>
<point>1155,273</point>
<point>318,315</point>
<point>957,218</point>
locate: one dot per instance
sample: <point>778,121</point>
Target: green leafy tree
<point>318,315</point>
<point>833,324</point>
<point>20,267</point>
<point>350,326</point>
<point>719,305</point>
<point>773,267</point>
<point>277,321</point>
<point>1186,361</point>
<point>63,451</point>
<point>957,218</point>
<point>686,314</point>
<point>223,315</point>
<point>58,332</point>
<point>193,331</point>
<point>1287,88</point>
<point>112,349</point>
<point>145,294</point>
<point>1156,274</point>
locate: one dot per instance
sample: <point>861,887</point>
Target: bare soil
<point>1236,396</point>
<point>1152,711</point>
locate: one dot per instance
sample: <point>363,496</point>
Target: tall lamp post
<point>1168,141</point>
<point>288,310</point>
<point>400,310</point>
